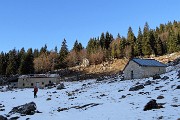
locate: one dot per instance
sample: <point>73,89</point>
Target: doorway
<point>37,84</point>
<point>132,74</point>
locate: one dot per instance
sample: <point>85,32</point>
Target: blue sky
<point>34,23</point>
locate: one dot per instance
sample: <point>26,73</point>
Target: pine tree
<point>108,40</point>
<point>30,59</point>
<point>138,44</point>
<point>93,45</point>
<point>172,43</point>
<point>161,28</point>
<point>77,46</point>
<point>152,42</point>
<point>55,49</point>
<point>23,66</point>
<point>159,47</point>
<point>63,54</point>
<point>169,27</point>
<point>20,54</point>
<point>27,63</point>
<point>115,48</point>
<point>43,49</point>
<point>131,42</point>
<point>102,41</point>
<point>122,47</point>
<point>178,42</point>
<point>146,47</point>
<point>3,64</point>
<point>36,53</point>
<point>118,36</point>
<point>12,66</point>
<point>159,50</point>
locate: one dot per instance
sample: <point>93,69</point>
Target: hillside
<point>108,99</point>
<point>117,65</point>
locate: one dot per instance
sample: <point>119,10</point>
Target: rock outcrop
<point>136,88</point>
<point>26,109</point>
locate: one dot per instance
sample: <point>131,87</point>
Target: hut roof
<point>148,62</point>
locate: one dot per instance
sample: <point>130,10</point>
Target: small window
<point>32,84</point>
<point>42,83</point>
<point>23,84</point>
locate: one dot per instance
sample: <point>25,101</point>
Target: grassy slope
<point>118,65</point>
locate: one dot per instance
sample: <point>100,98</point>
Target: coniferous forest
<point>164,39</point>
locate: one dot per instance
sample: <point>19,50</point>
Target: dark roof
<point>148,62</point>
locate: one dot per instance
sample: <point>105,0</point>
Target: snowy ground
<point>107,94</point>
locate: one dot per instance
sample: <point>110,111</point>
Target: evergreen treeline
<point>162,40</point>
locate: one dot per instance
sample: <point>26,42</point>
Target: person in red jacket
<point>35,91</point>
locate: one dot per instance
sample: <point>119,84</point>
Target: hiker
<point>35,91</point>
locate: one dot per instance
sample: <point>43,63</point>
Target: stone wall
<point>141,71</point>
<point>40,82</point>
<point>132,66</point>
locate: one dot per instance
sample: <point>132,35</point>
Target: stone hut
<point>138,68</point>
<point>40,80</point>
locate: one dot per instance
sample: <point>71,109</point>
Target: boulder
<point>165,78</point>
<point>14,118</point>
<point>148,83</point>
<point>152,105</point>
<point>137,87</point>
<point>120,90</point>
<point>60,86</point>
<point>160,97</point>
<point>26,109</point>
<point>123,96</point>
<point>178,74</point>
<point>137,83</point>
<point>178,87</point>
<point>156,77</point>
<point>100,79</point>
<point>48,99</point>
<point>161,117</point>
<point>2,117</point>
<point>176,61</point>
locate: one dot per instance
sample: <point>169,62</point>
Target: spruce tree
<point>12,66</point>
<point>131,42</point>
<point>159,50</point>
<point>3,64</point>
<point>108,40</point>
<point>122,47</point>
<point>152,42</point>
<point>43,49</point>
<point>93,45</point>
<point>36,53</point>
<point>138,44</point>
<point>30,59</point>
<point>63,54</point>
<point>172,42</point>
<point>159,47</point>
<point>77,46</point>
<point>178,42</point>
<point>102,41</point>
<point>146,47</point>
<point>27,63</point>
<point>55,49</point>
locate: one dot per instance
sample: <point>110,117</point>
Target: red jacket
<point>35,89</point>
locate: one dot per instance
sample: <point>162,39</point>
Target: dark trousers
<point>35,94</point>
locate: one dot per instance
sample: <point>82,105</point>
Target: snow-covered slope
<point>109,99</point>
